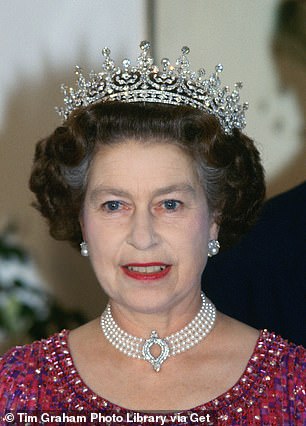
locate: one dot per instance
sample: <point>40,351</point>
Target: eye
<point>112,206</point>
<point>171,204</point>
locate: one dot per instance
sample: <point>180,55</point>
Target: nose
<point>142,233</point>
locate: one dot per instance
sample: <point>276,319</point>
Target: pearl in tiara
<point>168,84</point>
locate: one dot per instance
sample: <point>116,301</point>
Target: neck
<point>156,349</point>
<point>167,321</point>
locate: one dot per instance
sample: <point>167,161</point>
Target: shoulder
<point>296,194</point>
<point>290,204</point>
<point>275,377</point>
<point>267,353</point>
<point>282,367</point>
<point>18,374</point>
<point>287,357</point>
<point>291,360</point>
<point>21,373</point>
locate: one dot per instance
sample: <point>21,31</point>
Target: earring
<point>213,248</point>
<point>84,249</point>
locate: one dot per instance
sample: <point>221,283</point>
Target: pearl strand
<point>137,347</point>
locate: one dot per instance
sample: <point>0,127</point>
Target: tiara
<point>168,84</point>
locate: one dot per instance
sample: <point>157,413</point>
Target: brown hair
<point>228,166</point>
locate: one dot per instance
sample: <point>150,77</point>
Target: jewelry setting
<point>181,341</point>
<point>213,248</point>
<point>84,249</point>
<point>167,84</point>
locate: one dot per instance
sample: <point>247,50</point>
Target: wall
<point>238,34</point>
<point>41,41</point>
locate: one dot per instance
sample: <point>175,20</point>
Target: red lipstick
<point>146,271</point>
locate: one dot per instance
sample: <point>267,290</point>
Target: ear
<point>81,221</point>
<point>214,230</point>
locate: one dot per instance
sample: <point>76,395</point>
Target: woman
<point>148,172</point>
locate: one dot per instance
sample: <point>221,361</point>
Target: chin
<point>146,301</point>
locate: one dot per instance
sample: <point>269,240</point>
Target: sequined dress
<point>41,378</point>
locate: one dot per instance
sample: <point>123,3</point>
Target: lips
<point>146,271</point>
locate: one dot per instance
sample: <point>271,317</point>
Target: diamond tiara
<point>168,84</point>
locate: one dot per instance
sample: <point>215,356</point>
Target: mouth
<point>146,271</point>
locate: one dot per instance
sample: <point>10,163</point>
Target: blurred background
<point>45,284</point>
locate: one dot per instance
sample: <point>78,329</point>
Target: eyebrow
<point>104,189</point>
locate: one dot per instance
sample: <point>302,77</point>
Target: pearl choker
<point>137,347</point>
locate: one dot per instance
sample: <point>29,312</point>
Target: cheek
<point>192,238</point>
<point>192,251</point>
<point>100,236</point>
<point>199,236</point>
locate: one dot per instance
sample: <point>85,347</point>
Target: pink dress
<point>39,383</point>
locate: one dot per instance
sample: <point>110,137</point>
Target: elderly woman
<point>149,171</point>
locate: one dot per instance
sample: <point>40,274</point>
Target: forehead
<point>148,164</point>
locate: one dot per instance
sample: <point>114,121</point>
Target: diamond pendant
<point>164,350</point>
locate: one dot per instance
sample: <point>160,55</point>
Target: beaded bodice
<point>42,377</point>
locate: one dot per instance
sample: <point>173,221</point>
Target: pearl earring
<point>84,249</point>
<point>213,248</point>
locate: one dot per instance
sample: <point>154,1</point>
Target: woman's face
<point>147,225</point>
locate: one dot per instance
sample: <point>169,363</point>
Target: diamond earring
<point>84,249</point>
<point>213,248</point>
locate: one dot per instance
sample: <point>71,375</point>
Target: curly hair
<point>228,166</point>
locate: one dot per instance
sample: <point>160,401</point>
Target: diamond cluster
<point>176,343</point>
<point>168,84</point>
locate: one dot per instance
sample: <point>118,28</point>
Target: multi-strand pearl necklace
<point>137,347</point>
